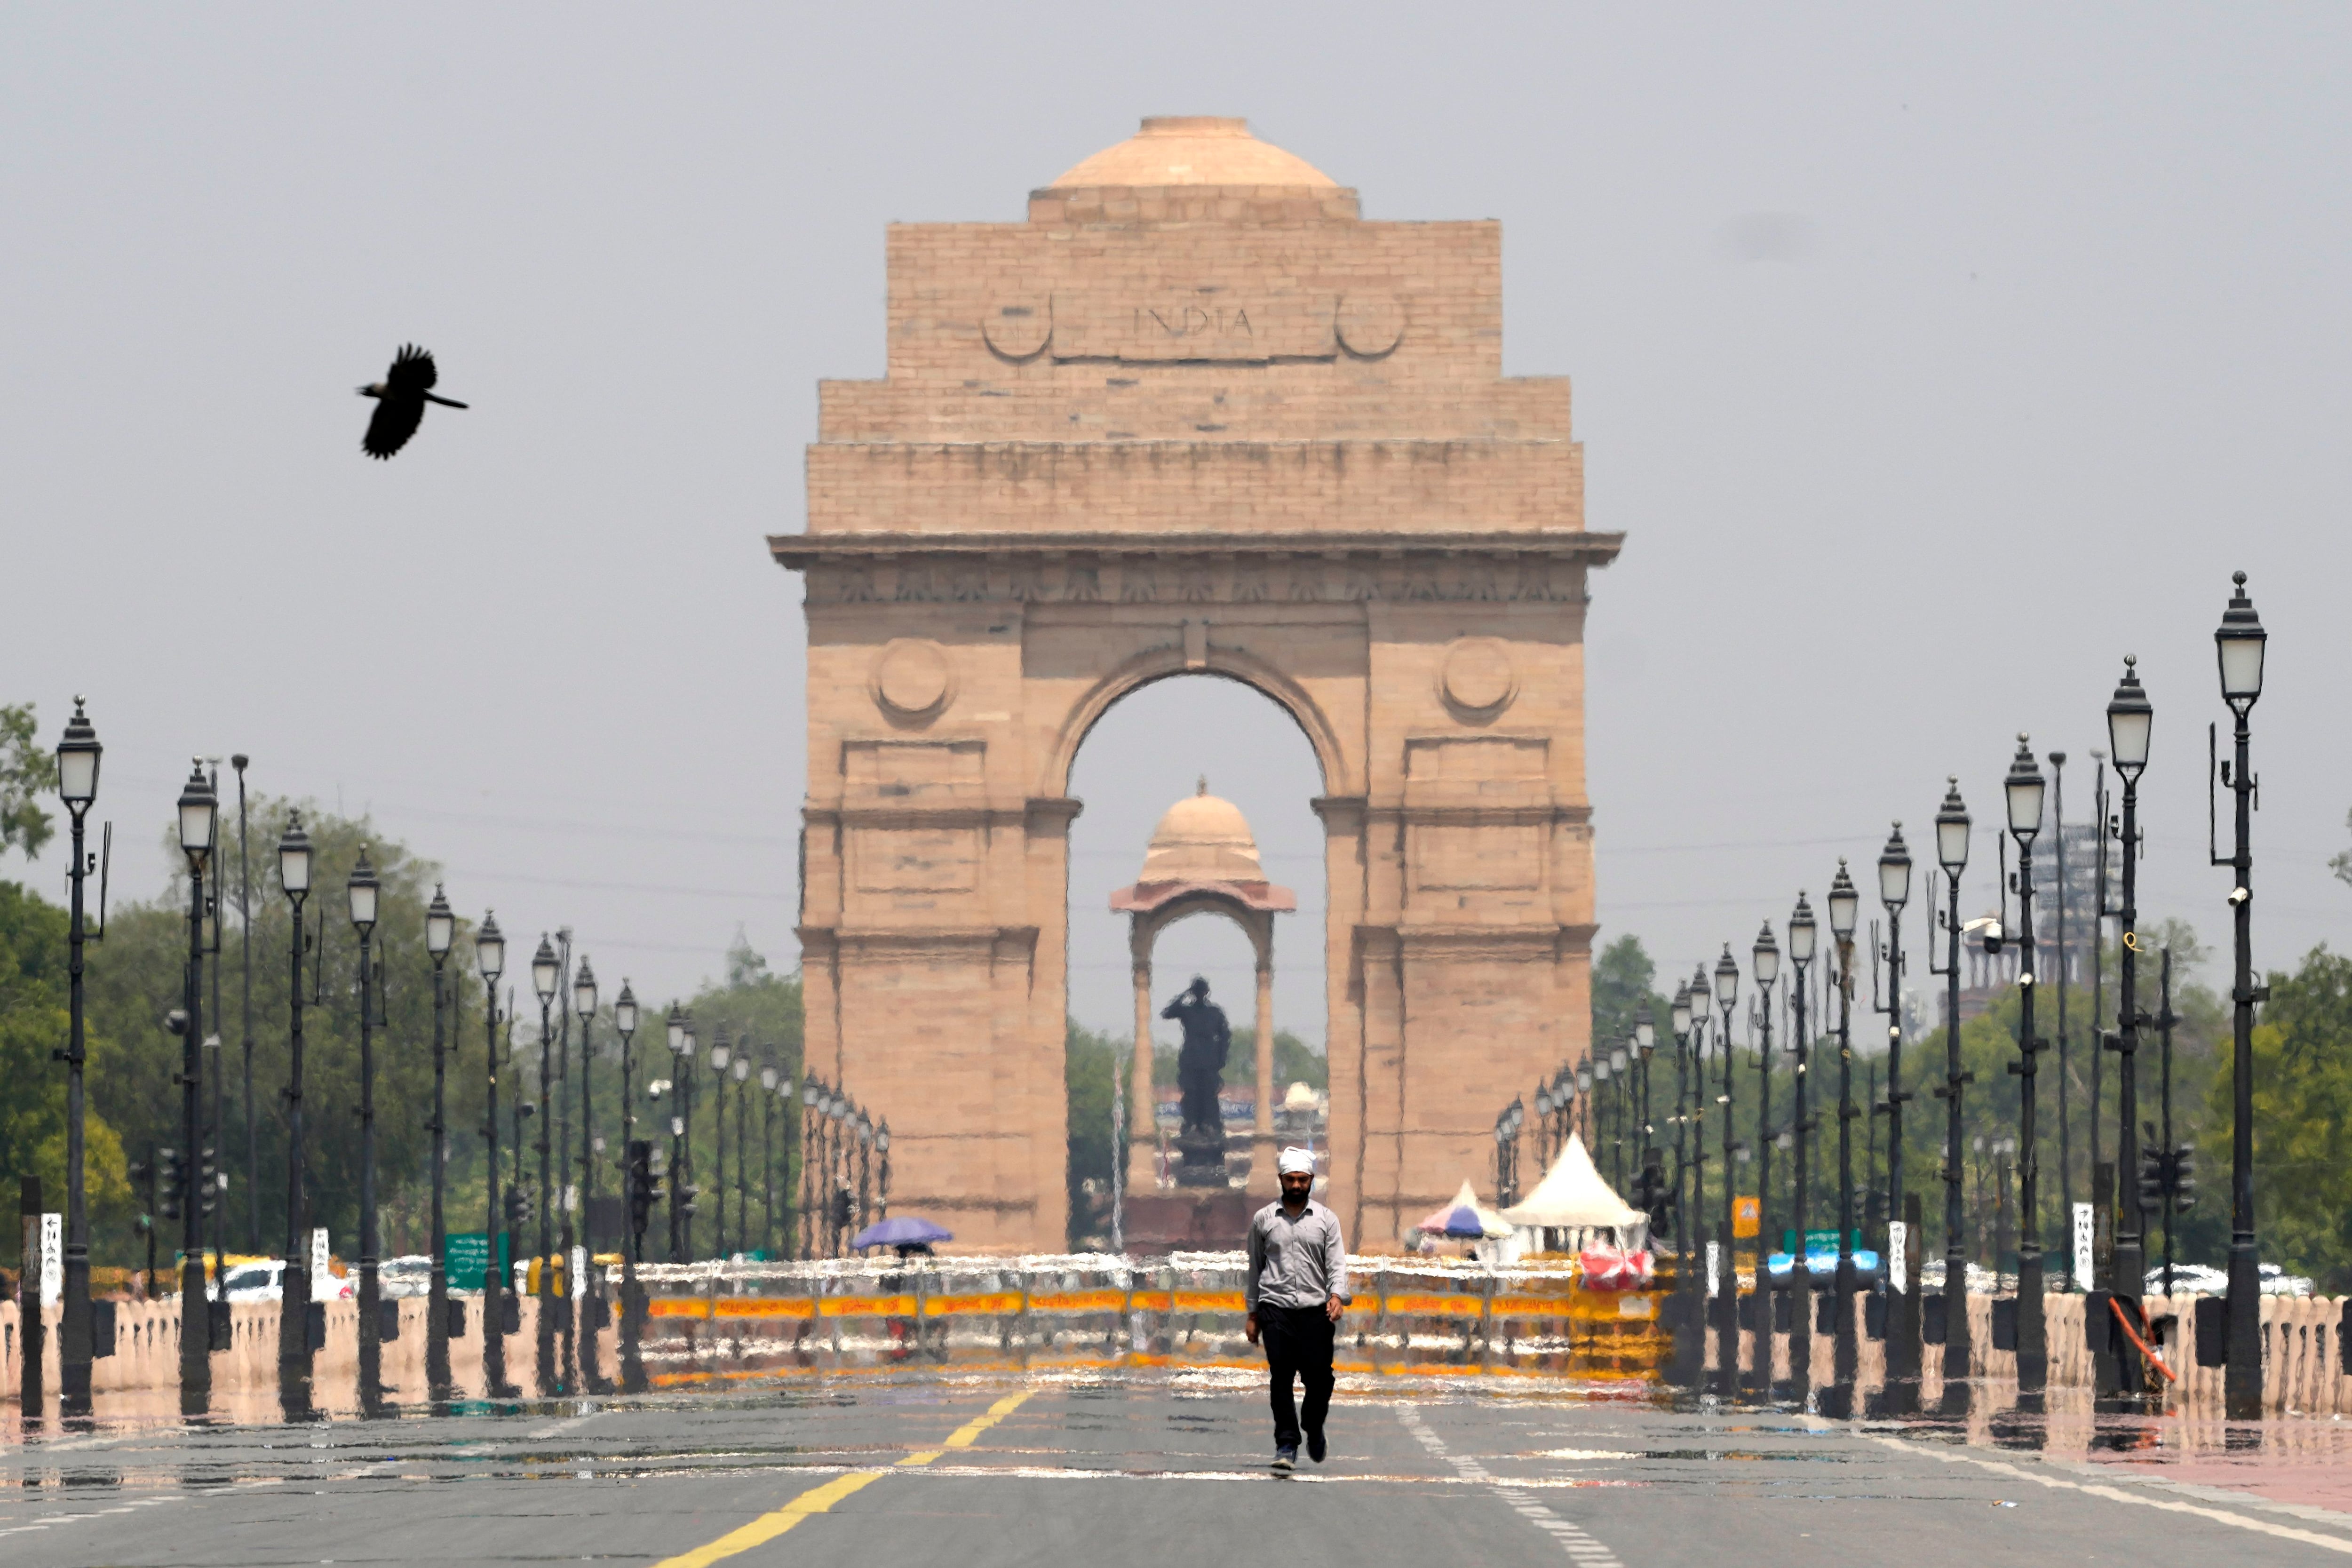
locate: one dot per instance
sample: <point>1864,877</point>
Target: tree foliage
<point>27,771</point>
<point>33,1025</point>
<point>2303,1102</point>
<point>1623,979</point>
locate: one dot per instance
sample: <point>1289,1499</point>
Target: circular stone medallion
<point>911,677</point>
<point>1477,680</point>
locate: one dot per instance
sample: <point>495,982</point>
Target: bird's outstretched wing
<point>412,372</point>
<point>394,421</point>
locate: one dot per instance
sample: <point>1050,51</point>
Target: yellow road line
<point>818,1499</point>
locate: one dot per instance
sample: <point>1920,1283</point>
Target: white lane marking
<point>1579,1546</point>
<point>2116,1494</point>
<point>94,1513</point>
<point>550,1430</point>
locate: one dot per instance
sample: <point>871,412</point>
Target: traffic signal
<point>2184,1178</point>
<point>207,1179</point>
<point>641,1186</point>
<point>519,1207</point>
<point>841,1207</point>
<point>2155,1168</point>
<point>168,1159</point>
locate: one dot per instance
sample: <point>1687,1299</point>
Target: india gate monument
<point>1194,415</point>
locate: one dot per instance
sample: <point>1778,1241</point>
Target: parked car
<point>262,1282</point>
<point>408,1276</point>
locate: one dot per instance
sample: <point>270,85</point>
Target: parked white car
<point>262,1282</point>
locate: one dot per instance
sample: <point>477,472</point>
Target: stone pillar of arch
<point>1203,860</point>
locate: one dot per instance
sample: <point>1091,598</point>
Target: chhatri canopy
<point>1466,1219</point>
<point>1572,1195</point>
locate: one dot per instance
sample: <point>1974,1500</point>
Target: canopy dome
<point>1203,840</point>
<point>1194,150</point>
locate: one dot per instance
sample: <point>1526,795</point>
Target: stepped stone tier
<point>1195,416</point>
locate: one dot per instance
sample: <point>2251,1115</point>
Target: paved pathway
<point>985,1473</point>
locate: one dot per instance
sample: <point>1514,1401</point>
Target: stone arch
<point>1154,665</point>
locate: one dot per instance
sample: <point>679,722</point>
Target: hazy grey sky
<point>1930,361</point>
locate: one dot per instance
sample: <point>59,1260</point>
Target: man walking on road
<point>1298,1287</point>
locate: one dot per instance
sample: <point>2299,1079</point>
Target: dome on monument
<point>1203,840</point>
<point>1195,150</point>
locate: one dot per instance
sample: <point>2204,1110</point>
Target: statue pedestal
<point>1205,1220</point>
<point>1204,1159</point>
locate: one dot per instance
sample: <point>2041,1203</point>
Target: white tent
<point>1573,1197</point>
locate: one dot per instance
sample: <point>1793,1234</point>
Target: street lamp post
<point>546,970</point>
<point>768,1161</point>
<point>720,1055</point>
<point>440,932</point>
<point>2238,643</point>
<point>1766,955</point>
<point>199,823</point>
<point>2025,789</point>
<point>1902,1306</point>
<point>294,858</point>
<point>864,1129</point>
<point>882,1179</point>
<point>633,1366</point>
<point>77,758</point>
<point>812,1094</point>
<point>677,1027</point>
<point>1952,855</point>
<point>742,1072</point>
<point>584,1002</point>
<point>1802,936</point>
<point>1679,1016</point>
<point>1845,910</point>
<point>362,889</point>
<point>1727,1331</point>
<point>1652,1179</point>
<point>2130,719</point>
<point>490,958</point>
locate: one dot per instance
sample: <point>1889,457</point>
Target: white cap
<point>1295,1161</point>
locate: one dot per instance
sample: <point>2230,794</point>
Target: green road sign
<point>465,1255</point>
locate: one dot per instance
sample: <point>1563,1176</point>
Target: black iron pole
<point>370,1294</point>
<point>76,1352</point>
<point>1845,1356</point>
<point>195,1314</point>
<point>2032,1342</point>
<point>1957,1332</point>
<point>1801,1274</point>
<point>544,1368</point>
<point>2165,1020</point>
<point>1727,1331</point>
<point>436,1295</point>
<point>2131,1224</point>
<point>294,1282</point>
<point>1760,1375</point>
<point>495,1280</point>
<point>2243,1378</point>
<point>245,934</point>
<point>589,1297</point>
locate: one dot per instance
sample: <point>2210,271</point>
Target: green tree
<point>1623,980</point>
<point>2303,1101</point>
<point>1088,1081</point>
<point>27,771</point>
<point>33,1025</point>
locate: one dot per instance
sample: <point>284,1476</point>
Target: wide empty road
<point>979,1473</point>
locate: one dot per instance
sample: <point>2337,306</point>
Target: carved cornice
<point>1195,568</point>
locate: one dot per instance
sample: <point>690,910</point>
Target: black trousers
<point>1297,1342</point>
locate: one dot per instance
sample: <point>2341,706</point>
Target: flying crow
<point>400,400</point>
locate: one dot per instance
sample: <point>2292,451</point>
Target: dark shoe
<point>1284,1460</point>
<point>1315,1449</point>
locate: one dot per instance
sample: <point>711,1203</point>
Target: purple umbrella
<point>901,1230</point>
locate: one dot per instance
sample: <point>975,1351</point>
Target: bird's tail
<point>444,402</point>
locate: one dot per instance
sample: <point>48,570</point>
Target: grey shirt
<point>1298,1262</point>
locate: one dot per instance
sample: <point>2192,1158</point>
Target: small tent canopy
<point>1573,1197</point>
<point>1465,1218</point>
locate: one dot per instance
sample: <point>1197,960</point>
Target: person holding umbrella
<point>1297,1289</point>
